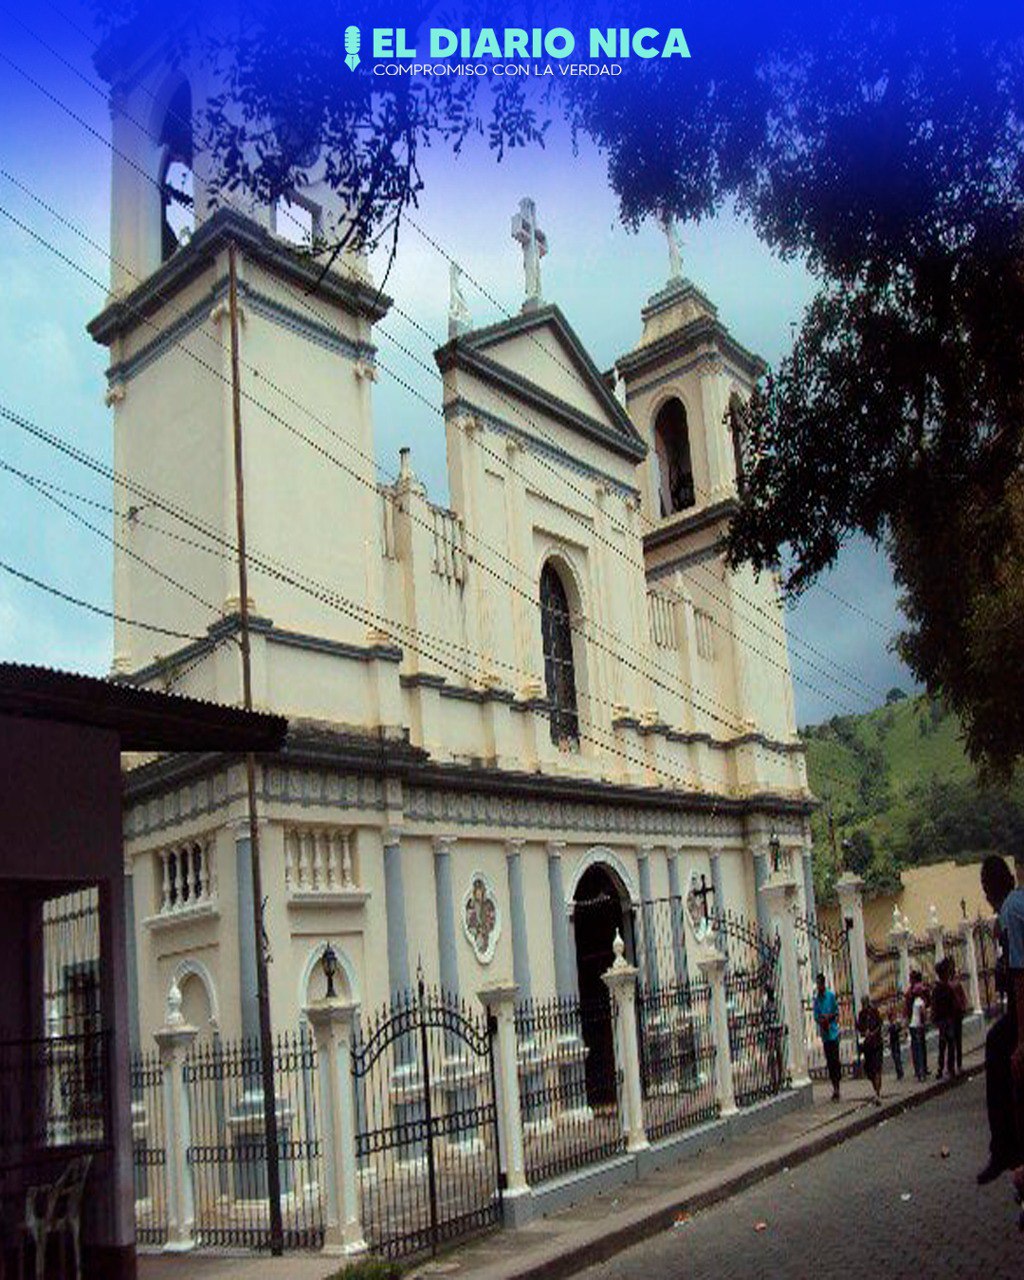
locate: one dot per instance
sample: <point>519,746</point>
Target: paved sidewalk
<point>600,1227</point>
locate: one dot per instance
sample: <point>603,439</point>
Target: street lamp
<point>329,964</point>
<point>775,849</point>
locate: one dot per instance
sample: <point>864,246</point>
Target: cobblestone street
<point>846,1213</point>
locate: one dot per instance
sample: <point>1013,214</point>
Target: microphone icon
<point>352,42</point>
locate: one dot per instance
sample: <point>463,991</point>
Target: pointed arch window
<point>559,667</point>
<point>676,490</point>
<point>177,192</point>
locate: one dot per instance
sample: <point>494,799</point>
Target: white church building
<point>552,691</point>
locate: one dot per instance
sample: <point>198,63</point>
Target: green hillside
<point>903,793</point>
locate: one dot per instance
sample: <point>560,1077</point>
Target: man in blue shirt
<point>826,1015</point>
<point>1004,1044</point>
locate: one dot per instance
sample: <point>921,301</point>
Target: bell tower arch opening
<point>676,489</point>
<point>176,180</point>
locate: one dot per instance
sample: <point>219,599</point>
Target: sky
<point>53,132</point>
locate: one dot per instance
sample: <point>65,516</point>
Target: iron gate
<point>753,994</point>
<point>827,951</point>
<point>427,1124</point>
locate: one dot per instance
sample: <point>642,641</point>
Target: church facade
<point>549,692</point>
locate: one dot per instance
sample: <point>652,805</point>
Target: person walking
<point>895,1029</point>
<point>1004,1049</point>
<point>960,1012</point>
<point>826,1016</point>
<point>916,1008</point>
<point>918,1032</point>
<point>869,1028</point>
<point>944,1016</point>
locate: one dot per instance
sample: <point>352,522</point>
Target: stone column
<point>850,887</point>
<point>937,934</point>
<point>394,901</point>
<point>682,971</point>
<point>711,963</point>
<point>761,873</point>
<point>517,917</point>
<point>780,892</point>
<point>650,950</point>
<point>565,962</point>
<point>716,880</point>
<point>248,996</point>
<point>174,1040</point>
<point>334,1023</point>
<point>974,983</point>
<point>444,901</point>
<point>620,980</point>
<point>500,1001</point>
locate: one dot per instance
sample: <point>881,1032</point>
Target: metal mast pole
<point>262,992</point>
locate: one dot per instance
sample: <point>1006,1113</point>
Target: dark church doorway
<point>600,910</point>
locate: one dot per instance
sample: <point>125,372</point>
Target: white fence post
<point>937,933</point>
<point>711,963</point>
<point>974,982</point>
<point>780,894</point>
<point>620,980</point>
<point>900,935</point>
<point>499,1001</point>
<point>850,890</point>
<point>174,1039</point>
<point>333,1023</point>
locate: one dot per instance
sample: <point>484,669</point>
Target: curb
<point>591,1252</point>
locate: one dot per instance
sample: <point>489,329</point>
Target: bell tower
<point>685,383</point>
<point>306,372</point>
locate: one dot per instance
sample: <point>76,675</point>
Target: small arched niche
<point>676,489</point>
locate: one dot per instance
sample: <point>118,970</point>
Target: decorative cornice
<point>255,243</point>
<point>209,308</point>
<point>685,525</point>
<point>684,341</point>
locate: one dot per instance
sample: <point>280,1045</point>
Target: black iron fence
<point>922,958</point>
<point>427,1124</point>
<point>568,1084</point>
<point>884,979</point>
<point>149,1148</point>
<point>227,1151</point>
<point>955,947</point>
<point>991,971</point>
<point>827,951</point>
<point>753,995</point>
<point>677,1058</point>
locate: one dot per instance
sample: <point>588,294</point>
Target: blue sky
<point>600,275</point>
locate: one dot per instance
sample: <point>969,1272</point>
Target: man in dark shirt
<point>1004,1054</point>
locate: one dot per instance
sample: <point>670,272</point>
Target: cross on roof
<point>534,243</point>
<point>675,254</point>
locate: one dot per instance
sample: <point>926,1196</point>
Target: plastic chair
<point>50,1209</point>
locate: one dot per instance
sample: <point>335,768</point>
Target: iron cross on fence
<point>704,892</point>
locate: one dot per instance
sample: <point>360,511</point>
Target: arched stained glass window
<point>559,669</point>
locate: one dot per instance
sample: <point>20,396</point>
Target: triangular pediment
<point>538,358</point>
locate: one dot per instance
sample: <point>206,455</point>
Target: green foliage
<point>894,695</point>
<point>368,1268</point>
<point>904,793</point>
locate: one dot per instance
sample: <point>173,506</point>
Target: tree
<point>893,696</point>
<point>883,148</point>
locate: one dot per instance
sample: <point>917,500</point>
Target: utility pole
<point>262,992</point>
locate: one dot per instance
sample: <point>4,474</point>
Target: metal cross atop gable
<point>534,244</point>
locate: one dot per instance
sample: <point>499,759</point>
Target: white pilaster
<point>499,1001</point>
<point>850,888</point>
<point>620,980</point>
<point>711,963</point>
<point>780,894</point>
<point>333,1023</point>
<point>174,1040</point>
